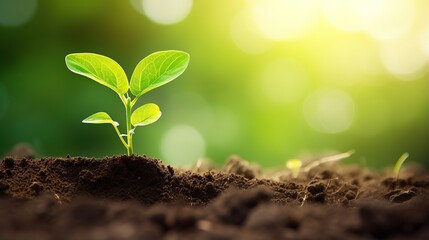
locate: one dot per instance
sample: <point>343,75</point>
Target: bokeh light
<point>16,12</point>
<point>403,57</point>
<point>387,19</point>
<point>285,19</point>
<point>164,11</point>
<point>182,145</point>
<point>343,14</point>
<point>329,110</point>
<point>246,36</point>
<point>424,40</point>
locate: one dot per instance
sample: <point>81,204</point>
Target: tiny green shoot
<point>294,165</point>
<point>151,72</point>
<point>399,163</point>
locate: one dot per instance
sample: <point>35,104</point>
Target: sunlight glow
<point>387,19</point>
<point>164,11</point>
<point>182,145</point>
<point>343,14</point>
<point>285,19</point>
<point>246,37</point>
<point>347,62</point>
<point>424,41</point>
<point>382,19</point>
<point>329,110</point>
<point>284,80</point>
<point>403,57</point>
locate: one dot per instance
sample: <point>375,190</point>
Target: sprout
<point>294,165</point>
<point>153,71</point>
<point>399,163</point>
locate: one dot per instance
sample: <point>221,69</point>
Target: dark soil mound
<point>140,198</point>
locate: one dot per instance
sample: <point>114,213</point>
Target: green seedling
<point>153,71</point>
<point>399,163</point>
<point>294,165</point>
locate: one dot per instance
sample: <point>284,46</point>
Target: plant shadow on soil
<point>136,197</point>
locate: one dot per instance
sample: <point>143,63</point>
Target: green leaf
<point>99,118</point>
<point>158,69</point>
<point>145,115</point>
<point>100,69</point>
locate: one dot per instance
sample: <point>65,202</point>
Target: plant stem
<point>119,135</point>
<point>128,122</point>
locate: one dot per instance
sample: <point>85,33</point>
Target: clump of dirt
<point>136,197</point>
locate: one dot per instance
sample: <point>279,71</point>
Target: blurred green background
<point>269,80</point>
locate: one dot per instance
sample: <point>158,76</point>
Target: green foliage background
<point>220,96</point>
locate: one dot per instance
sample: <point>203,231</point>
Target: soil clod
<point>241,167</point>
<point>37,187</point>
<point>8,162</point>
<point>3,187</point>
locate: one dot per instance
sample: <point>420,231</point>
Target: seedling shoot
<point>294,165</point>
<point>153,71</point>
<point>399,163</point>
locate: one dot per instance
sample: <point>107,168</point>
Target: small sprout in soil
<point>399,163</point>
<point>294,165</point>
<point>153,71</point>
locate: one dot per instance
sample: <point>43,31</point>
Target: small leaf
<point>100,69</point>
<point>145,115</point>
<point>99,118</point>
<point>157,69</point>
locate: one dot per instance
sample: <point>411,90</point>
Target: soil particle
<point>8,162</point>
<point>235,164</point>
<point>383,221</point>
<point>42,175</point>
<point>400,195</point>
<point>86,176</point>
<point>3,187</point>
<point>272,216</point>
<point>233,208</point>
<point>350,195</point>
<point>317,191</point>
<point>315,187</point>
<point>36,187</point>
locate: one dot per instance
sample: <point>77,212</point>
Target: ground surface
<point>140,198</point>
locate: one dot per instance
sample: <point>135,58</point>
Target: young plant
<point>153,71</point>
<point>294,165</point>
<point>399,163</point>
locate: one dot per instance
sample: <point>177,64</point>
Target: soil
<point>136,197</point>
